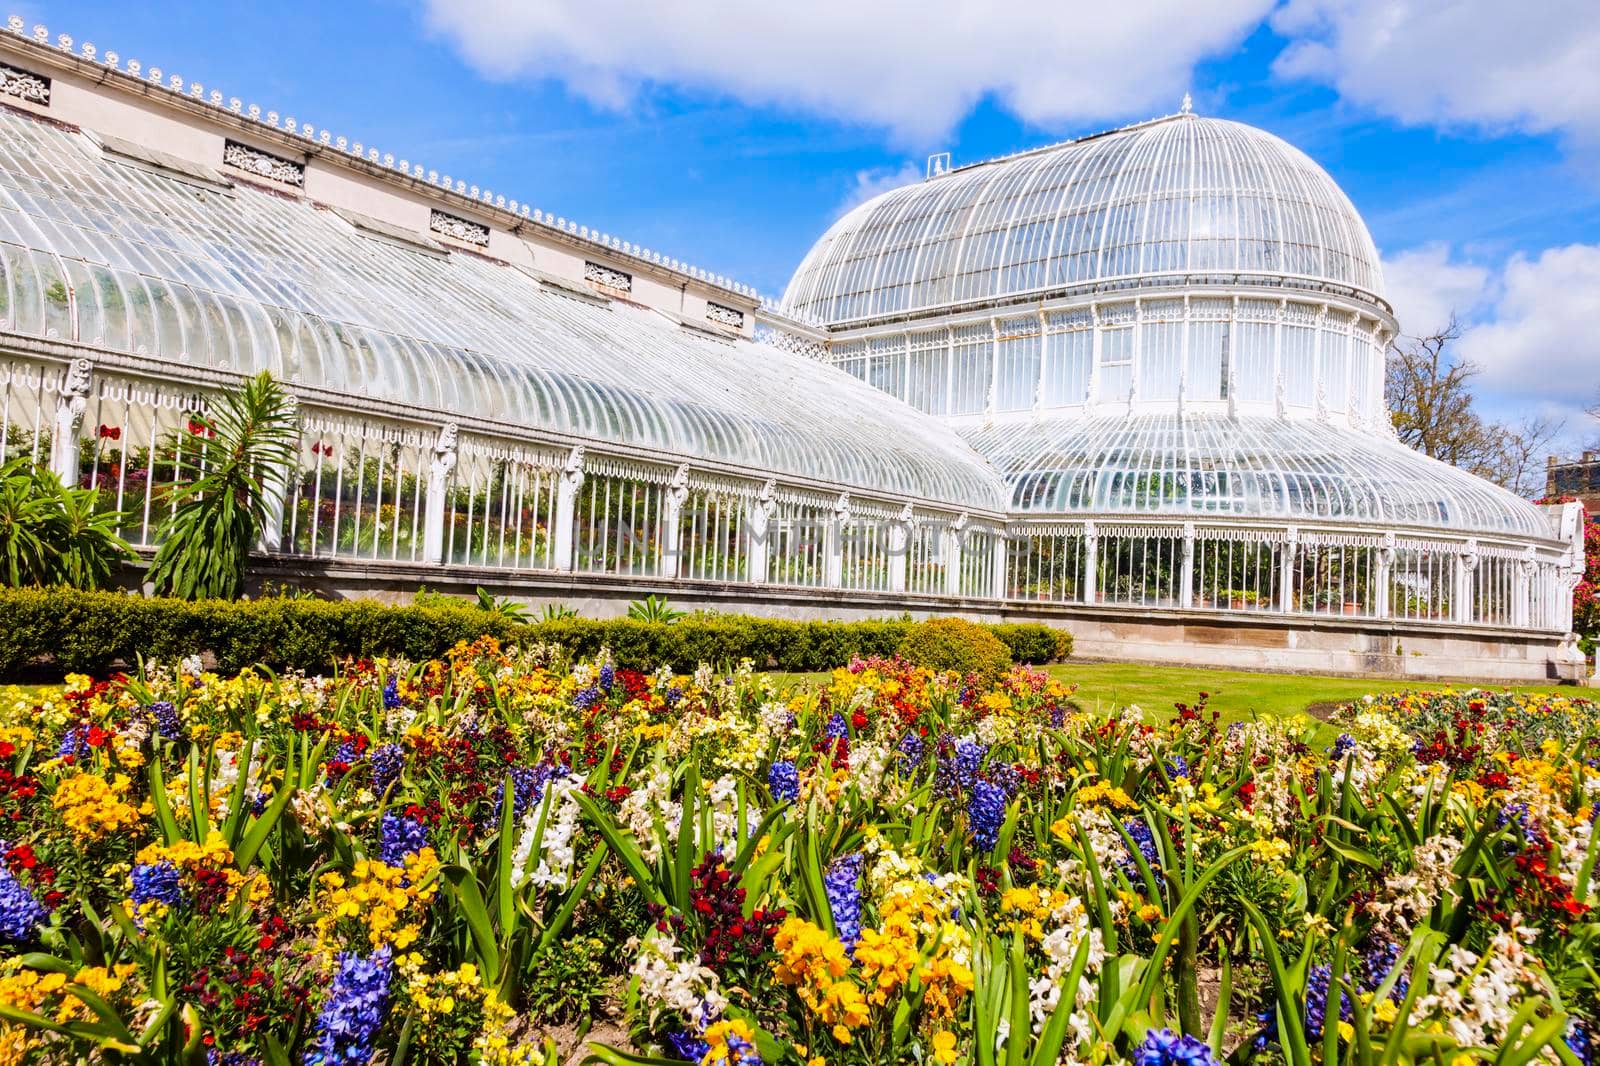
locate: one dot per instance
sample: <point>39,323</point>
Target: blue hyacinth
<point>387,762</point>
<point>391,693</point>
<point>585,698</point>
<point>1583,1042</point>
<point>837,728</point>
<point>157,882</point>
<point>74,742</point>
<point>20,914</point>
<point>1342,746</point>
<point>985,813</point>
<point>353,1011</point>
<point>399,837</point>
<point>1177,766</point>
<point>608,677</point>
<point>911,750</point>
<point>1163,1047</point>
<point>784,781</point>
<point>165,717</point>
<point>1146,841</point>
<point>843,886</point>
<point>687,1046</point>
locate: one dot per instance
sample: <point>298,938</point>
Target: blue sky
<point>729,135</point>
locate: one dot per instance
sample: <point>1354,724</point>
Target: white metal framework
<point>1141,370</point>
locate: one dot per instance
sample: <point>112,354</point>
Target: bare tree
<point>1430,399</point>
<point>1519,451</point>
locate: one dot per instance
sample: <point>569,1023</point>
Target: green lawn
<point>1238,694</point>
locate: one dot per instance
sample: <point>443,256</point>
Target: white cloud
<point>1532,67</point>
<point>1427,285</point>
<point>1538,337</point>
<point>913,68</point>
<point>871,183</point>
<point>1528,324</point>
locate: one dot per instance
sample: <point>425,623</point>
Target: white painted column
<point>1522,590</point>
<point>1385,557</point>
<point>1186,569</point>
<point>1089,592</point>
<point>676,496</point>
<point>833,561</point>
<point>758,519</point>
<point>72,402</point>
<point>566,508</point>
<point>1092,395</point>
<point>997,584</point>
<point>1466,561</point>
<point>953,550</point>
<point>439,470</point>
<point>1291,555</point>
<point>899,542</point>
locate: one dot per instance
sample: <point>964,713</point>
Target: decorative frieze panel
<point>724,316</point>
<point>261,164</point>
<point>611,278</point>
<point>24,85</point>
<point>458,229</point>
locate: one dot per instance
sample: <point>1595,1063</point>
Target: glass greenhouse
<point>1141,369</point>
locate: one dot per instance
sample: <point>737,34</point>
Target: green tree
<point>50,533</point>
<point>247,448</point>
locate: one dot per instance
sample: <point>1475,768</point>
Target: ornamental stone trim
<point>24,85</point>
<point>609,277</point>
<point>255,162</point>
<point>458,229</point>
<point>724,316</point>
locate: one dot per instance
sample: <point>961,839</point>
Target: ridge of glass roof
<point>243,280</point>
<point>1197,466</point>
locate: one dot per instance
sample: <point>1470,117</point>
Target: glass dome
<point>127,259</point>
<point>1243,468</point>
<point>1182,197</point>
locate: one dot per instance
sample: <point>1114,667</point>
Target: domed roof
<point>1187,197</point>
<point>1253,468</point>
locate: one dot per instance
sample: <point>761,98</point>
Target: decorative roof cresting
<point>325,139</point>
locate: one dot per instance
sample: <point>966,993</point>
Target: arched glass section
<point>1183,196</point>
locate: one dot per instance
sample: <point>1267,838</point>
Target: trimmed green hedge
<point>88,631</point>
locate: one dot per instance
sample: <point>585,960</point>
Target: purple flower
<point>74,742</point>
<point>353,1011</point>
<point>843,886</point>
<point>1163,1047</point>
<point>784,781</point>
<point>387,762</point>
<point>1177,766</point>
<point>608,677</point>
<point>157,882</point>
<point>391,693</point>
<point>20,914</point>
<point>985,813</point>
<point>398,837</point>
<point>687,1046</point>
<point>837,728</point>
<point>586,698</point>
<point>911,751</point>
<point>165,716</point>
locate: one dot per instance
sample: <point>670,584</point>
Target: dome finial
<point>1188,105</point>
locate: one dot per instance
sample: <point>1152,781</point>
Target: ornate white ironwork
<point>608,277</point>
<point>24,85</point>
<point>724,316</point>
<point>264,164</point>
<point>458,229</point>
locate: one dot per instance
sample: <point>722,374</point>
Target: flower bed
<point>443,862</point>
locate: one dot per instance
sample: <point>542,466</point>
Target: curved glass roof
<point>129,259</point>
<point>1213,465</point>
<point>1178,196</point>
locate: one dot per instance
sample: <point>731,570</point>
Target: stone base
<point>1248,641</point>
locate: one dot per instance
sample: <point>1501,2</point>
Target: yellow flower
<point>93,808</point>
<point>944,1048</point>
